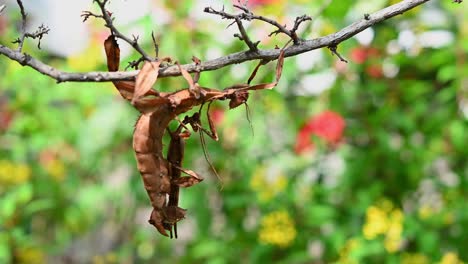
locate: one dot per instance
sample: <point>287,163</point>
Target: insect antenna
<point>207,156</point>
<point>203,142</point>
<point>249,114</point>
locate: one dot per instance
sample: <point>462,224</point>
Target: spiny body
<point>154,168</point>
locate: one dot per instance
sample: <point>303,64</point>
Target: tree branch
<point>331,40</point>
<point>244,37</point>
<point>40,32</point>
<point>107,17</point>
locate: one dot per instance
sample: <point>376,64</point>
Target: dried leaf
<point>194,90</point>
<point>146,79</point>
<point>254,72</point>
<point>263,86</point>
<point>173,214</point>
<point>112,53</point>
<point>185,182</point>
<point>197,62</point>
<point>279,67</point>
<point>193,178</point>
<point>279,70</point>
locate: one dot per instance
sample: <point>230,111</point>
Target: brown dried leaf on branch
<point>113,53</point>
<point>146,79</point>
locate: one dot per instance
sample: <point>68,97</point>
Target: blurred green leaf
<point>320,214</point>
<point>447,73</point>
<point>5,251</point>
<point>459,134</point>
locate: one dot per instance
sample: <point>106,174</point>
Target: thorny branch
<point>107,17</point>
<point>39,33</point>
<point>247,15</point>
<point>333,48</point>
<point>331,40</point>
<point>244,37</point>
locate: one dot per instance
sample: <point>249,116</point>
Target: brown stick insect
<point>160,175</point>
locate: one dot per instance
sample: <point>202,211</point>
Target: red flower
<point>258,2</point>
<point>374,71</point>
<point>361,54</point>
<point>6,115</point>
<point>5,120</point>
<point>327,125</point>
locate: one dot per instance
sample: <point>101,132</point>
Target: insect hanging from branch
<point>162,175</point>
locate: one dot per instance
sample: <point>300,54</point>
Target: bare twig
<point>248,16</point>
<point>252,46</point>
<point>135,64</point>
<point>2,7</point>
<point>87,14</point>
<point>155,44</point>
<point>107,17</point>
<point>40,32</point>
<point>23,13</point>
<point>239,57</point>
<point>298,22</point>
<point>242,7</point>
<point>333,48</point>
<point>20,40</point>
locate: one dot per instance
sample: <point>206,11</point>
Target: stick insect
<point>161,176</point>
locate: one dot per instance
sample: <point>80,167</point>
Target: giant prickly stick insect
<point>160,175</point>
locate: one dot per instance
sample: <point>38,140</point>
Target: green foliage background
<point>392,191</point>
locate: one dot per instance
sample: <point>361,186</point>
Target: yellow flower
<point>87,60</point>
<point>387,221</point>
<point>257,181</point>
<point>56,169</point>
<point>416,258</point>
<point>450,258</point>
<point>6,171</point>
<point>385,205</point>
<point>347,250</point>
<point>105,259</point>
<point>22,174</point>
<point>13,174</point>
<point>30,255</point>
<point>277,228</point>
<point>392,245</point>
<point>376,222</point>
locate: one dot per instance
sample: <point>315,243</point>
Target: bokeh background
<point>364,162</point>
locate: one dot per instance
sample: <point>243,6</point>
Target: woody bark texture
<point>299,47</point>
